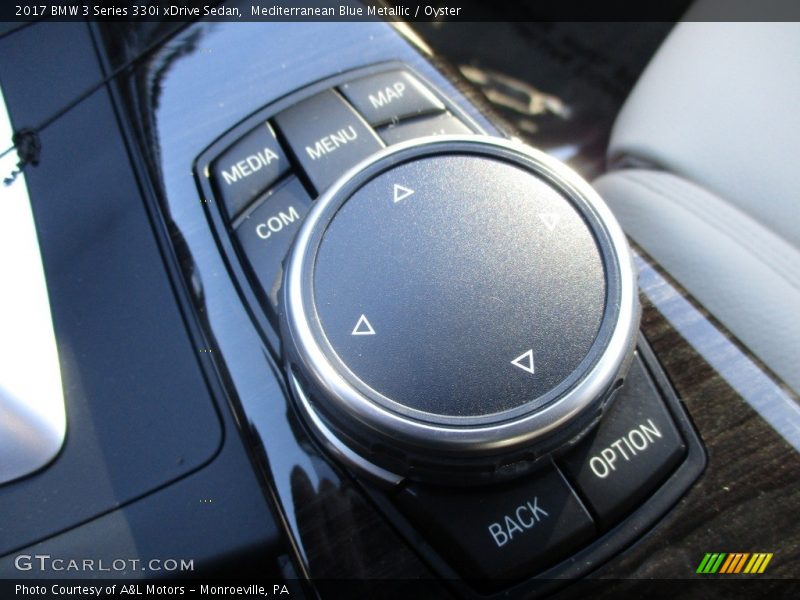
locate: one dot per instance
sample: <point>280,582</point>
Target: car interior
<point>321,300</point>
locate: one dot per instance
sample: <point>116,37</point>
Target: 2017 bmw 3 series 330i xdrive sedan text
<point>400,299</point>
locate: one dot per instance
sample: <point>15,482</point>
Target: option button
<point>633,450</point>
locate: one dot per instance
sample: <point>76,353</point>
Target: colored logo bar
<point>731,563</point>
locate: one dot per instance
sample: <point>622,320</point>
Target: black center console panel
<point>424,333</point>
<point>455,316</point>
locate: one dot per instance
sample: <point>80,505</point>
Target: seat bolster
<point>741,272</point>
<point>718,105</point>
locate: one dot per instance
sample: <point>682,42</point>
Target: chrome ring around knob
<point>408,442</point>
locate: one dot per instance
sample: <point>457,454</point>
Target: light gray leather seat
<point>706,179</point>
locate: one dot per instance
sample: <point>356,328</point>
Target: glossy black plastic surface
<point>45,68</point>
<point>150,439</point>
<point>747,499</point>
<point>465,534</point>
<point>332,526</point>
<point>130,372</point>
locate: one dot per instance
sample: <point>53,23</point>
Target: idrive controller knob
<point>454,308</point>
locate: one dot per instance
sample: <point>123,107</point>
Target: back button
<point>503,532</point>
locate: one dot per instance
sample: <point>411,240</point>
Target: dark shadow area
<point>560,85</point>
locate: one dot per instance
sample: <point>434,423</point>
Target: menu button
<point>326,136</point>
<point>331,142</point>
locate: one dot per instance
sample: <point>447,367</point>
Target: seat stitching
<point>771,259</point>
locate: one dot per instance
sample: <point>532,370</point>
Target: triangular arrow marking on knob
<point>550,220</point>
<point>524,361</point>
<point>363,327</point>
<point>401,192</point>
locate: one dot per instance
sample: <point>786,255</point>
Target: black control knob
<point>454,308</point>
